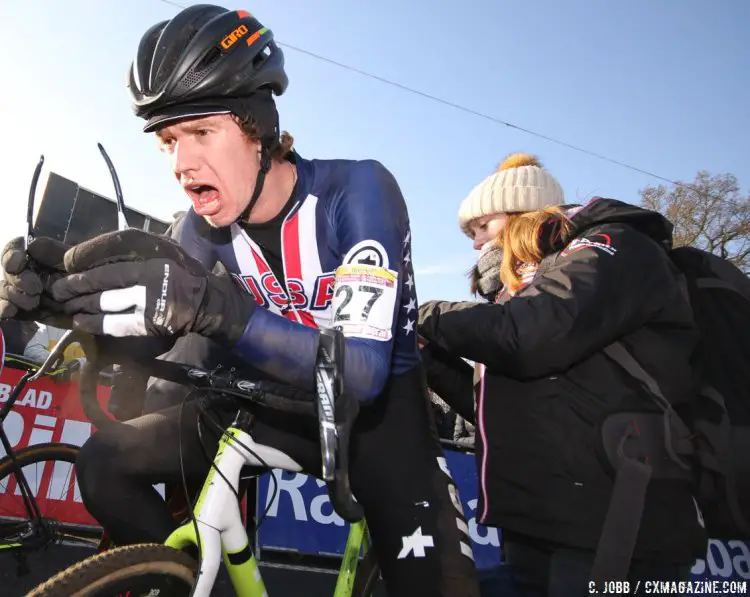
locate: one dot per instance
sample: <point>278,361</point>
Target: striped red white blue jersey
<point>346,253</point>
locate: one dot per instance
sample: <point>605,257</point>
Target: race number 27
<point>363,301</point>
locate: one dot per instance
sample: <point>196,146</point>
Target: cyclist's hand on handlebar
<point>27,278</point>
<point>132,283</point>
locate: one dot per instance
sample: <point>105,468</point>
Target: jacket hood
<point>609,211</point>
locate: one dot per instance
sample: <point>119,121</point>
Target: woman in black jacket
<point>585,293</point>
<point>520,185</point>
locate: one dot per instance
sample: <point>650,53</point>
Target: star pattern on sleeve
<point>409,298</point>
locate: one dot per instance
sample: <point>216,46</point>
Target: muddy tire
<point>148,569</point>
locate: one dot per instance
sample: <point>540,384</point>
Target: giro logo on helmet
<point>235,35</point>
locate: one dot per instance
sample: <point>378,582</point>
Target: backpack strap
<point>620,355</point>
<point>620,531</point>
<point>622,523</point>
<point>676,446</point>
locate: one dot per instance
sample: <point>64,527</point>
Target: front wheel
<point>49,471</point>
<point>147,569</point>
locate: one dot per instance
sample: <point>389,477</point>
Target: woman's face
<point>485,229</point>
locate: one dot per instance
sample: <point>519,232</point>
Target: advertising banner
<point>299,517</point>
<point>48,410</point>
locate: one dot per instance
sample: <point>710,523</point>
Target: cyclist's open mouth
<point>205,199</point>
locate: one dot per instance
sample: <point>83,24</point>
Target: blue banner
<point>300,517</point>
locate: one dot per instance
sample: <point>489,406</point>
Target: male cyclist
<point>308,244</point>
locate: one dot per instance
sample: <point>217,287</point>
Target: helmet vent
<point>173,52</point>
<point>261,57</point>
<point>191,79</point>
<point>200,70</point>
<point>208,60</point>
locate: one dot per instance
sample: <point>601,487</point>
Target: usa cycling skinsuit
<point>339,254</point>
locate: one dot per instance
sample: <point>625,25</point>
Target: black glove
<point>27,279</point>
<point>133,283</point>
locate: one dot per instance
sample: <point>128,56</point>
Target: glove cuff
<point>225,312</point>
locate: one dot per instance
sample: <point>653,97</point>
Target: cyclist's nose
<point>185,159</point>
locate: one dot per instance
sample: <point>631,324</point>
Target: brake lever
<point>122,221</point>
<point>337,412</point>
<point>30,205</point>
<point>43,272</point>
<point>326,375</point>
<point>342,499</point>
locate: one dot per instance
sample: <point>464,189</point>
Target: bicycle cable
<point>203,414</point>
<point>188,501</point>
<point>222,430</point>
<point>250,451</point>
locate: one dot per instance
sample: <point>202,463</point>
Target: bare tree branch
<point>709,213</point>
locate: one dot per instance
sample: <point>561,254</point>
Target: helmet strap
<point>265,166</point>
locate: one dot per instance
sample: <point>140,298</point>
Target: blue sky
<point>659,85</point>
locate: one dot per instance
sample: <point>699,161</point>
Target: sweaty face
<point>485,229</point>
<point>215,163</point>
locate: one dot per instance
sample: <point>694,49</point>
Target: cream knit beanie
<point>519,184</point>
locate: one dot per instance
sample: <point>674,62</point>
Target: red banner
<point>46,411</point>
<point>49,410</point>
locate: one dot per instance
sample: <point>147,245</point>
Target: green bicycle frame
<point>222,533</point>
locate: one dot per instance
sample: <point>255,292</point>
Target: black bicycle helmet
<point>205,55</point>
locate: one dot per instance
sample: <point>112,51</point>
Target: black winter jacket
<point>547,384</point>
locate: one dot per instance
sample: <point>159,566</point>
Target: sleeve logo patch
<point>367,252</point>
<point>598,241</point>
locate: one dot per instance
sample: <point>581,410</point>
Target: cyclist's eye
<point>166,144</point>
